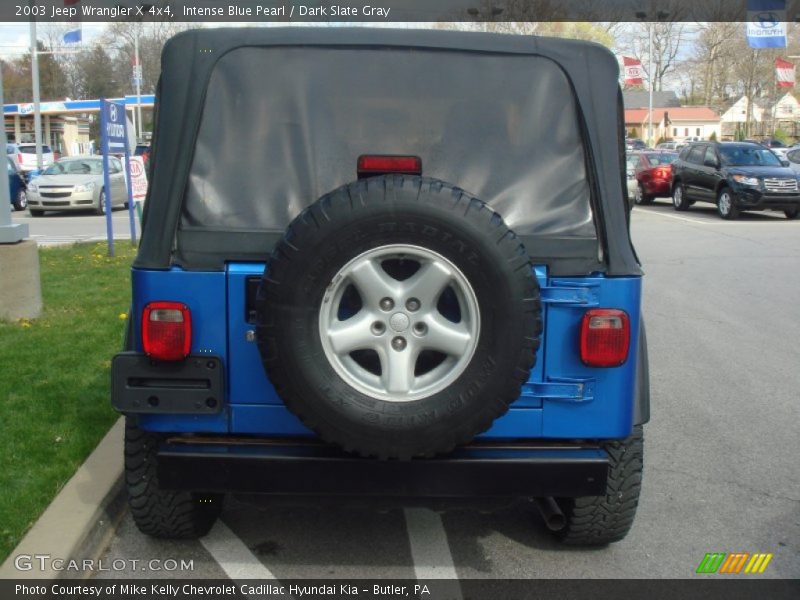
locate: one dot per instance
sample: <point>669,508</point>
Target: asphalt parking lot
<point>721,450</point>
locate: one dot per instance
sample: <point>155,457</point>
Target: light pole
<point>660,16</point>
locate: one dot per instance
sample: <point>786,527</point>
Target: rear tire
<point>679,200</point>
<point>640,197</point>
<point>158,512</point>
<point>601,520</point>
<point>792,213</point>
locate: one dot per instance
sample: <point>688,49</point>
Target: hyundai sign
<point>112,121</point>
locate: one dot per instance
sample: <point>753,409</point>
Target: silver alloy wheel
<point>677,196</point>
<point>725,203</point>
<point>637,195</point>
<point>398,320</point>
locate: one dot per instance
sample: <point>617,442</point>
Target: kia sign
<point>138,179</point>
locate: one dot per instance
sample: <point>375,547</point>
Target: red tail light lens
<point>19,158</point>
<point>605,337</point>
<point>663,172</point>
<point>166,330</point>
<point>371,164</point>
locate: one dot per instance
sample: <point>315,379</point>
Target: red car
<point>653,174</point>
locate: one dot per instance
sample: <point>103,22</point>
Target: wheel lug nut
<point>399,343</point>
<point>412,304</point>
<point>386,304</point>
<point>420,328</point>
<point>378,328</point>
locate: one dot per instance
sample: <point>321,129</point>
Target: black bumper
<point>140,385</point>
<point>750,199</point>
<point>314,469</point>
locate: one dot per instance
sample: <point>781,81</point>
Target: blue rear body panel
<point>563,399</point>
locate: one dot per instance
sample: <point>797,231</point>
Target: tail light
<point>605,337</point>
<point>19,158</point>
<point>166,330</point>
<point>370,165</point>
<point>663,172</point>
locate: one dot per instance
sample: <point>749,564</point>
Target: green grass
<point>55,379</point>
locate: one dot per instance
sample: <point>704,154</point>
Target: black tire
<point>727,209</point>
<point>792,213</point>
<point>679,200</point>
<point>375,213</point>
<point>100,209</point>
<point>157,512</point>
<point>21,201</point>
<point>601,520</point>
<point>640,198</point>
<point>35,212</point>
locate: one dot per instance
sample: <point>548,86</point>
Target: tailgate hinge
<point>570,293</point>
<point>561,390</point>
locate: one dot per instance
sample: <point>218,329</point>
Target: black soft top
<point>210,159</point>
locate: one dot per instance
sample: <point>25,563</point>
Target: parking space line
<point>668,216</point>
<point>429,548</point>
<point>232,555</point>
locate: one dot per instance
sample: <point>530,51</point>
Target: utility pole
<point>37,109</point>
<point>137,76</point>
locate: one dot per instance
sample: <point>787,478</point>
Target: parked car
<point>292,334</point>
<point>17,188</point>
<point>668,146</point>
<point>792,156</point>
<point>773,144</point>
<point>77,183</point>
<point>653,174</point>
<point>143,150</point>
<point>24,156</point>
<point>736,176</point>
<point>633,144</point>
<point>631,160</point>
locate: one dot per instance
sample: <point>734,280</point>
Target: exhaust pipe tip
<point>551,512</point>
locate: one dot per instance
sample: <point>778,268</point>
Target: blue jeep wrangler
<point>385,263</point>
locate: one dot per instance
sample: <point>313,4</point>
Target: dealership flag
<point>766,23</point>
<point>633,71</point>
<point>73,36</point>
<point>784,71</point>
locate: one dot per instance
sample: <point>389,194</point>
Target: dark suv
<point>735,176</point>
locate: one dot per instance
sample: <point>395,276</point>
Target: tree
<point>96,71</point>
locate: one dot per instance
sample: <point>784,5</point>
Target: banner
<point>766,23</point>
<point>74,35</point>
<point>633,71</point>
<point>784,72</point>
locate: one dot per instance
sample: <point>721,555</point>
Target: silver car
<point>77,183</point>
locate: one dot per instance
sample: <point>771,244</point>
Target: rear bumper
<point>315,469</point>
<point>658,187</point>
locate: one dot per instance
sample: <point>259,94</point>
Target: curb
<point>78,518</point>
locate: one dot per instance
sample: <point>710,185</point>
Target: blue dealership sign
<point>766,23</point>
<point>114,140</point>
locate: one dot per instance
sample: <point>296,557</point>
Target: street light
<point>660,16</point>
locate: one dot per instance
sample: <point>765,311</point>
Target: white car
<point>792,155</point>
<point>24,155</point>
<point>77,183</point>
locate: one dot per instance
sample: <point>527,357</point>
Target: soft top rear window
<point>282,126</point>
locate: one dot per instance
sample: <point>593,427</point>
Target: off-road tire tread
<point>601,520</point>
<point>157,512</point>
<point>351,199</point>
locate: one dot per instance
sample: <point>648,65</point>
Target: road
<point>721,451</point>
<point>55,228</point>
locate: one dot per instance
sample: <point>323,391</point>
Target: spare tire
<point>398,317</point>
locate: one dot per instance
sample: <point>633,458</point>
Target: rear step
<point>479,470</point>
